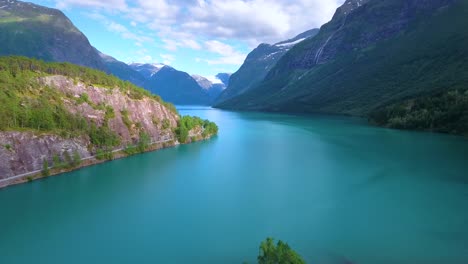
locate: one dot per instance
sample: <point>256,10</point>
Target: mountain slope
<point>44,33</point>
<point>213,87</point>
<point>372,54</point>
<point>122,70</point>
<point>257,65</point>
<point>147,70</point>
<point>177,87</point>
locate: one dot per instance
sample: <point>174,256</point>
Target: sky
<point>203,37</point>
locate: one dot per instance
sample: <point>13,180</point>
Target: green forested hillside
<point>428,57</point>
<point>44,33</point>
<point>445,112</point>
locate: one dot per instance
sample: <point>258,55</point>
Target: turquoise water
<point>336,189</point>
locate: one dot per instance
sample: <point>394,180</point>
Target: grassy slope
<point>44,33</point>
<point>430,57</point>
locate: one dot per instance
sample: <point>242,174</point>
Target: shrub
<point>45,168</point>
<point>144,142</point>
<point>280,253</point>
<point>166,124</point>
<point>76,158</point>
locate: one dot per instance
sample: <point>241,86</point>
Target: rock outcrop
<point>24,152</point>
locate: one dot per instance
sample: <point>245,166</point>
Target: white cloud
<point>167,58</point>
<point>112,4</point>
<point>227,54</point>
<point>248,20</point>
<point>190,23</point>
<point>120,29</point>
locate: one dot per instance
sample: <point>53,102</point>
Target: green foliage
<point>280,253</point>
<point>130,150</point>
<point>45,168</point>
<point>445,112</point>
<point>56,161</point>
<point>209,128</point>
<point>144,142</point>
<point>109,113</point>
<point>187,123</point>
<point>126,119</point>
<point>103,137</point>
<point>84,98</point>
<point>103,154</point>
<point>166,124</point>
<point>67,159</point>
<point>29,178</point>
<point>8,147</point>
<point>76,159</point>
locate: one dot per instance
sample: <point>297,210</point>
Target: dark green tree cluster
<point>445,112</point>
<point>67,161</point>
<point>280,253</point>
<point>187,123</point>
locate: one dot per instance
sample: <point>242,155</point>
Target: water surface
<point>336,189</point>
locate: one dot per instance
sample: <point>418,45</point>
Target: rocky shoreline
<point>86,162</point>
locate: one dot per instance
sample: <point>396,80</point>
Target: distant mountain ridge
<point>177,87</point>
<point>215,86</point>
<point>147,69</point>
<point>258,63</point>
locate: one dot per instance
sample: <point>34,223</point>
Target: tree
<point>76,158</point>
<point>45,168</point>
<point>144,142</point>
<point>279,254</point>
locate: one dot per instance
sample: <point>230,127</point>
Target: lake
<point>336,189</point>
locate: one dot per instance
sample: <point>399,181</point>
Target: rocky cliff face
<point>23,152</point>
<point>145,114</point>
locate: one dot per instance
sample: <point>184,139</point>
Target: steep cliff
<point>50,112</point>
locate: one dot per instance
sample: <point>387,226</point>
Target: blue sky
<point>197,36</point>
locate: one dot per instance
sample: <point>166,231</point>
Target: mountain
<point>224,78</point>
<point>39,32</point>
<point>147,69</point>
<point>372,54</point>
<point>177,87</point>
<point>257,65</point>
<point>122,70</point>
<point>215,86</point>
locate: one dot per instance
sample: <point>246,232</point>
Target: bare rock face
<point>130,116</point>
<point>23,152</point>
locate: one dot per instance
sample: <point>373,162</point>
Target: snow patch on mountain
<point>290,44</point>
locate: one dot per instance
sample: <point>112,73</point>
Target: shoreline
<point>87,162</point>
